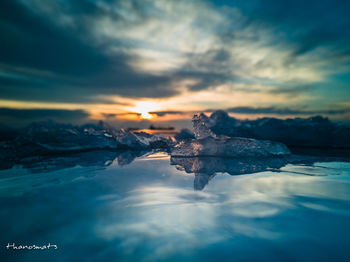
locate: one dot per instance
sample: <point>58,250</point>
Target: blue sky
<point>121,60</point>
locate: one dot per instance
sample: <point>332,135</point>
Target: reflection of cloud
<point>183,223</point>
<point>231,208</point>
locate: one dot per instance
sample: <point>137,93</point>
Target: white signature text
<point>30,247</point>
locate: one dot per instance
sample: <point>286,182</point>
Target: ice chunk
<point>208,143</point>
<point>50,137</point>
<point>184,134</point>
<point>154,141</point>
<point>202,126</point>
<point>219,123</point>
<point>229,147</point>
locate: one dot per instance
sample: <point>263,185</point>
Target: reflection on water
<point>205,168</point>
<point>101,210</point>
<point>39,164</point>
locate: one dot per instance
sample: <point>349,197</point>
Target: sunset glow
<point>165,67</point>
<point>146,116</point>
<point>144,107</point>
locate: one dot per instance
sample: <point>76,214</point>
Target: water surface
<point>105,207</point>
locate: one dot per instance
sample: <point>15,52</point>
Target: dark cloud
<point>31,41</point>
<point>281,111</point>
<point>63,59</point>
<point>62,64</point>
<point>163,113</point>
<point>262,111</point>
<point>110,115</point>
<point>204,79</point>
<point>20,117</point>
<point>307,24</point>
<point>291,90</point>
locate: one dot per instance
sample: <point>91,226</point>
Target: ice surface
<point>229,147</point>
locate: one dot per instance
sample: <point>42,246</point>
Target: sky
<point>136,62</point>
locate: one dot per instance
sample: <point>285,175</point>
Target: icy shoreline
<point>216,136</point>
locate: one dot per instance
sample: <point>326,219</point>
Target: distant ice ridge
<point>54,136</point>
<point>315,131</point>
<point>50,137</point>
<point>208,143</point>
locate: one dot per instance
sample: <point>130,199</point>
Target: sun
<point>146,116</point>
<point>144,108</point>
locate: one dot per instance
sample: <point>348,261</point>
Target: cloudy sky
<point>139,61</point>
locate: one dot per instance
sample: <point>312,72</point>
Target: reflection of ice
<point>233,166</point>
<point>201,180</point>
<point>98,158</point>
<point>205,168</point>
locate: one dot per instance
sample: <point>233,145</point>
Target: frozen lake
<point>101,207</point>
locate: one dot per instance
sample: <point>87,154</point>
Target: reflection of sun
<point>144,107</point>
